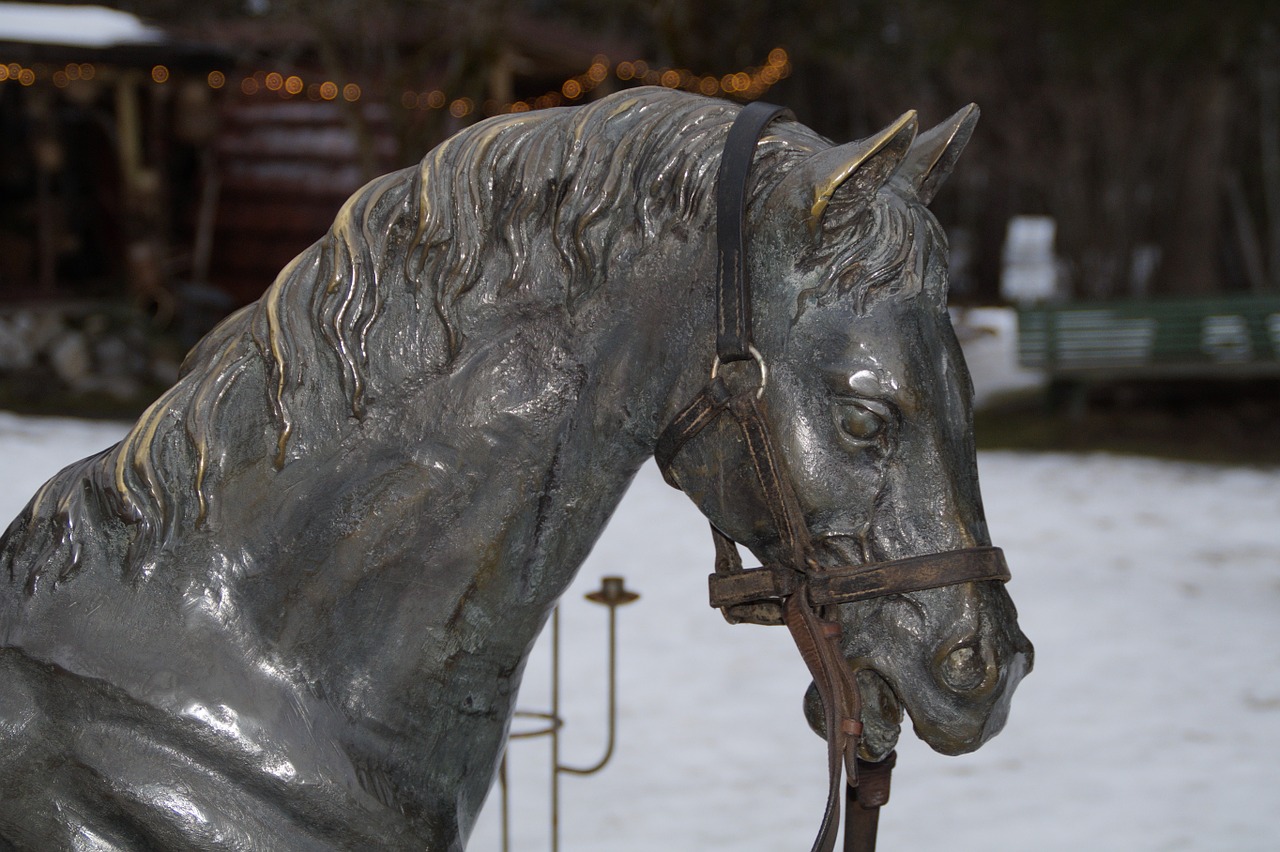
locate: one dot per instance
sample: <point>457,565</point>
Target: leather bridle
<point>797,591</point>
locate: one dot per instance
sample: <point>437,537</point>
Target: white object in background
<point>81,26</point>
<point>1030,271</point>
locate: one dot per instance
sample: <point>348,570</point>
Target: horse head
<point>864,389</point>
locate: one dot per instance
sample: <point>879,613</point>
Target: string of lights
<point>18,74</point>
<point>749,83</point>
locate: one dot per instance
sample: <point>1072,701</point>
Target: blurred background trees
<point>1149,131</point>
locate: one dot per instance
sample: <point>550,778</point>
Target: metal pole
<point>506,804</point>
<point>555,730</point>
<point>612,594</point>
<point>612,703</point>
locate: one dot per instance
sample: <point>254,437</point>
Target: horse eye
<point>860,423</point>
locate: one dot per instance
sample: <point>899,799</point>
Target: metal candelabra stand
<point>612,594</point>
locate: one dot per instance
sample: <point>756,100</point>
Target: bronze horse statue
<point>291,609</point>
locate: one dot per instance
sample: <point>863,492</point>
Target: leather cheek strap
<point>733,295</point>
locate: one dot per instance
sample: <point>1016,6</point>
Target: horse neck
<point>405,565</point>
<point>490,483</point>
<point>652,348</point>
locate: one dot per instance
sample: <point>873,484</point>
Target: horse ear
<point>934,154</point>
<point>865,166</point>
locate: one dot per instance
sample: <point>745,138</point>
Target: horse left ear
<point>860,168</point>
<point>934,153</point>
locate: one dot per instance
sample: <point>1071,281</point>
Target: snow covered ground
<point>990,340</point>
<point>1151,722</point>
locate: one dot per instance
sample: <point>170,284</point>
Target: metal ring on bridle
<point>758,358</point>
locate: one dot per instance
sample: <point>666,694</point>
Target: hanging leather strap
<point>819,644</point>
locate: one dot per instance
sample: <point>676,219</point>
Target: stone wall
<point>84,349</point>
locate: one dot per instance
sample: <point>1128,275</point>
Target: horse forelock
<point>890,248</point>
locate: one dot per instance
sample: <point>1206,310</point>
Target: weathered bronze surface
<point>290,610</point>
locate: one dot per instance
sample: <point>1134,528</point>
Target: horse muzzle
<point>950,657</point>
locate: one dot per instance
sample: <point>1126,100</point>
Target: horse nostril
<point>963,669</point>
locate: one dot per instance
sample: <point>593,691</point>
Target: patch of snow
<point>989,337</point>
<point>1151,722</point>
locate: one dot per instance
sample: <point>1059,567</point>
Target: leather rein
<point>798,592</point>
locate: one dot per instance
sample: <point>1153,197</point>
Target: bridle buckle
<point>755,356</point>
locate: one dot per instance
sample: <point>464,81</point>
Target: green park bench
<point>1078,344</point>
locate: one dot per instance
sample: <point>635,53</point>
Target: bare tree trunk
<point>1246,234</point>
<point>1269,131</point>
<point>353,112</point>
<point>1190,257</point>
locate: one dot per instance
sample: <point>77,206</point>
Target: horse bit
<point>798,592</point>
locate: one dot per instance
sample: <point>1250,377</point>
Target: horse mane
<point>409,260</point>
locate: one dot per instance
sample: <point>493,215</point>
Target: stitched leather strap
<point>733,296</point>
<point>780,498</point>
<point>756,610</point>
<point>710,402</point>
